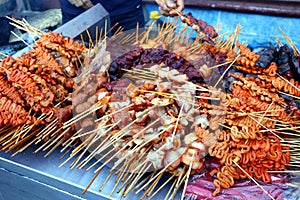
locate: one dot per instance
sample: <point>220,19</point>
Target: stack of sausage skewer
<point>161,107</point>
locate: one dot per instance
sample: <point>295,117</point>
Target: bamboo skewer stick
<point>23,148</point>
<point>115,112</point>
<point>23,23</point>
<point>53,148</point>
<point>179,182</point>
<point>69,141</point>
<point>82,145</point>
<point>129,179</point>
<point>89,157</point>
<point>105,181</point>
<point>81,115</point>
<point>284,128</point>
<point>171,189</point>
<point>161,186</point>
<point>5,129</point>
<point>49,126</point>
<point>96,138</point>
<point>46,134</point>
<point>147,33</point>
<point>17,132</point>
<point>5,55</point>
<point>141,174</point>
<point>186,180</point>
<point>288,82</point>
<point>265,127</point>
<point>22,142</point>
<point>139,77</point>
<point>249,176</point>
<point>294,162</point>
<point>12,136</point>
<point>73,153</point>
<point>110,126</point>
<point>57,138</point>
<point>199,86</point>
<point>118,180</point>
<point>134,166</point>
<point>98,149</point>
<point>16,35</point>
<point>68,151</point>
<point>107,161</point>
<point>161,171</point>
<point>8,144</point>
<point>147,159</point>
<point>290,142</point>
<point>287,94</point>
<point>125,188</point>
<point>120,134</point>
<point>293,165</point>
<point>91,182</point>
<point>125,146</point>
<point>131,152</point>
<point>10,133</point>
<point>135,177</point>
<point>296,51</point>
<point>20,27</point>
<point>171,96</point>
<point>221,77</point>
<point>126,163</point>
<point>141,182</point>
<point>285,171</point>
<point>49,143</point>
<point>219,65</point>
<point>101,147</point>
<point>291,134</point>
<point>140,72</point>
<point>264,114</point>
<point>183,172</point>
<point>177,122</point>
<point>151,188</point>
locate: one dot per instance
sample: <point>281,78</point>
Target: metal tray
<point>31,176</point>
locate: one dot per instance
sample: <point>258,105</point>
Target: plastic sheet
<point>284,186</point>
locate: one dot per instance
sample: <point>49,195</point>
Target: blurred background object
<point>41,14</point>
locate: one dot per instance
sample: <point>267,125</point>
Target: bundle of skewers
<point>162,110</point>
<point>35,88</point>
<point>165,106</point>
<point>260,135</point>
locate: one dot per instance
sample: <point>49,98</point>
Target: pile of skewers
<point>260,135</point>
<point>152,95</point>
<point>254,140</point>
<point>35,87</point>
<point>165,106</point>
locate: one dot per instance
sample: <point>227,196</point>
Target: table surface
<point>46,171</point>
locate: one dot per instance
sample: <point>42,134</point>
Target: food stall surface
<point>31,176</point>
